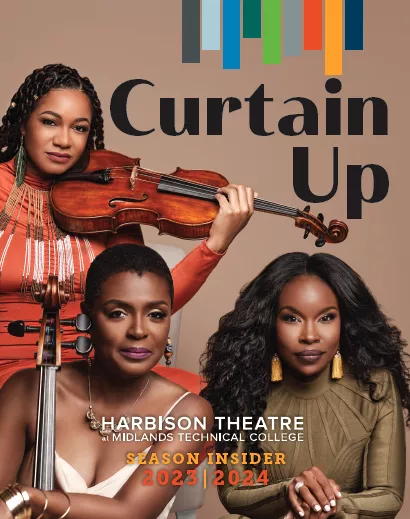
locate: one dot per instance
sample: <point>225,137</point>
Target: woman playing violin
<point>53,121</point>
<point>128,297</point>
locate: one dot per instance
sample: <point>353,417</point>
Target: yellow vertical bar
<point>333,37</point>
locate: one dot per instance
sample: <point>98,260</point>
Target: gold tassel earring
<point>276,374</point>
<point>337,366</point>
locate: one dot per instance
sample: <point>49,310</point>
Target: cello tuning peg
<point>307,209</point>
<point>82,345</point>
<point>320,241</point>
<point>307,231</point>
<point>19,328</point>
<point>320,217</point>
<point>81,322</point>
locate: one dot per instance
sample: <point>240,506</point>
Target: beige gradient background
<point>112,42</point>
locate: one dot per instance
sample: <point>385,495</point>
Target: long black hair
<point>37,85</point>
<point>237,362</point>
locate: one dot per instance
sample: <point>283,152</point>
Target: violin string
<point>191,188</point>
<point>211,190</point>
<point>191,182</point>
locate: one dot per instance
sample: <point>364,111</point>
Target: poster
<point>113,43</point>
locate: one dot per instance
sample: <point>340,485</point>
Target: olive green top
<point>353,440</point>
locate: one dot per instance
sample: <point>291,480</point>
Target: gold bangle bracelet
<point>17,501</point>
<point>69,505</point>
<point>45,505</point>
<point>24,495</point>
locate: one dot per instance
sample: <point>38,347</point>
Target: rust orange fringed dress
<point>32,247</point>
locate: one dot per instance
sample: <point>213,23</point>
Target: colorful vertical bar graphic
<point>231,51</point>
<point>313,22</point>
<point>272,31</point>
<point>292,31</point>
<point>251,18</point>
<point>191,30</point>
<point>354,19</point>
<point>211,24</point>
<point>333,37</point>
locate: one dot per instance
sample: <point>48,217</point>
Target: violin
<point>48,362</point>
<point>114,191</point>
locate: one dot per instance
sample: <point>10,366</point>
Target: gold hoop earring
<point>276,373</point>
<point>20,163</point>
<point>337,366</point>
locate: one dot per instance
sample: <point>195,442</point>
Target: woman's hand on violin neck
<point>235,210</point>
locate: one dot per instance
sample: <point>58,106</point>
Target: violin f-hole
<point>113,201</point>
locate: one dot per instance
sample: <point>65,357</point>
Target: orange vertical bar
<point>313,20</point>
<point>333,37</point>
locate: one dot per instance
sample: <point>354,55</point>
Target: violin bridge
<point>134,176</point>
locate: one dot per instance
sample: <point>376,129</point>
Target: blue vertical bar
<point>211,24</point>
<point>354,20</point>
<point>231,34</point>
<point>292,37</point>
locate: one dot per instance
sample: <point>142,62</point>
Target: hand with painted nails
<point>235,210</point>
<point>312,495</point>
<point>308,513</point>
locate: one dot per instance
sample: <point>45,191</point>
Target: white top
<point>71,481</point>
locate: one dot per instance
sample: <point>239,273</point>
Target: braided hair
<point>37,85</point>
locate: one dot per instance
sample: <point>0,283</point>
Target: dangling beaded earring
<point>337,366</point>
<point>276,374</point>
<point>168,352</point>
<point>20,163</point>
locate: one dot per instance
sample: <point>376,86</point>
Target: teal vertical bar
<point>272,31</point>
<point>292,28</point>
<point>191,28</point>
<point>251,18</point>
<point>211,24</point>
<point>231,34</point>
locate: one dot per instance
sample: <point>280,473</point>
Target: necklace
<point>95,424</point>
<point>48,250</point>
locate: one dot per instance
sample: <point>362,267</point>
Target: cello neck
<point>175,185</point>
<point>44,454</point>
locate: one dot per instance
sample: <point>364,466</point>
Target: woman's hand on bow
<point>318,494</point>
<point>235,210</point>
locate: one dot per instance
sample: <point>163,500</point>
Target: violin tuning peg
<point>320,241</point>
<point>307,209</point>
<point>307,232</point>
<point>320,217</point>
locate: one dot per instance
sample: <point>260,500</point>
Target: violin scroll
<point>336,232</point>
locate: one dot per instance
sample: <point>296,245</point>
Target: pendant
<point>95,425</point>
<point>90,415</point>
<point>105,432</point>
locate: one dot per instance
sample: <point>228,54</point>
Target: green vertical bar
<point>272,31</point>
<point>251,18</point>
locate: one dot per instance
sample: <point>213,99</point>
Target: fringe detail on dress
<point>44,240</point>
